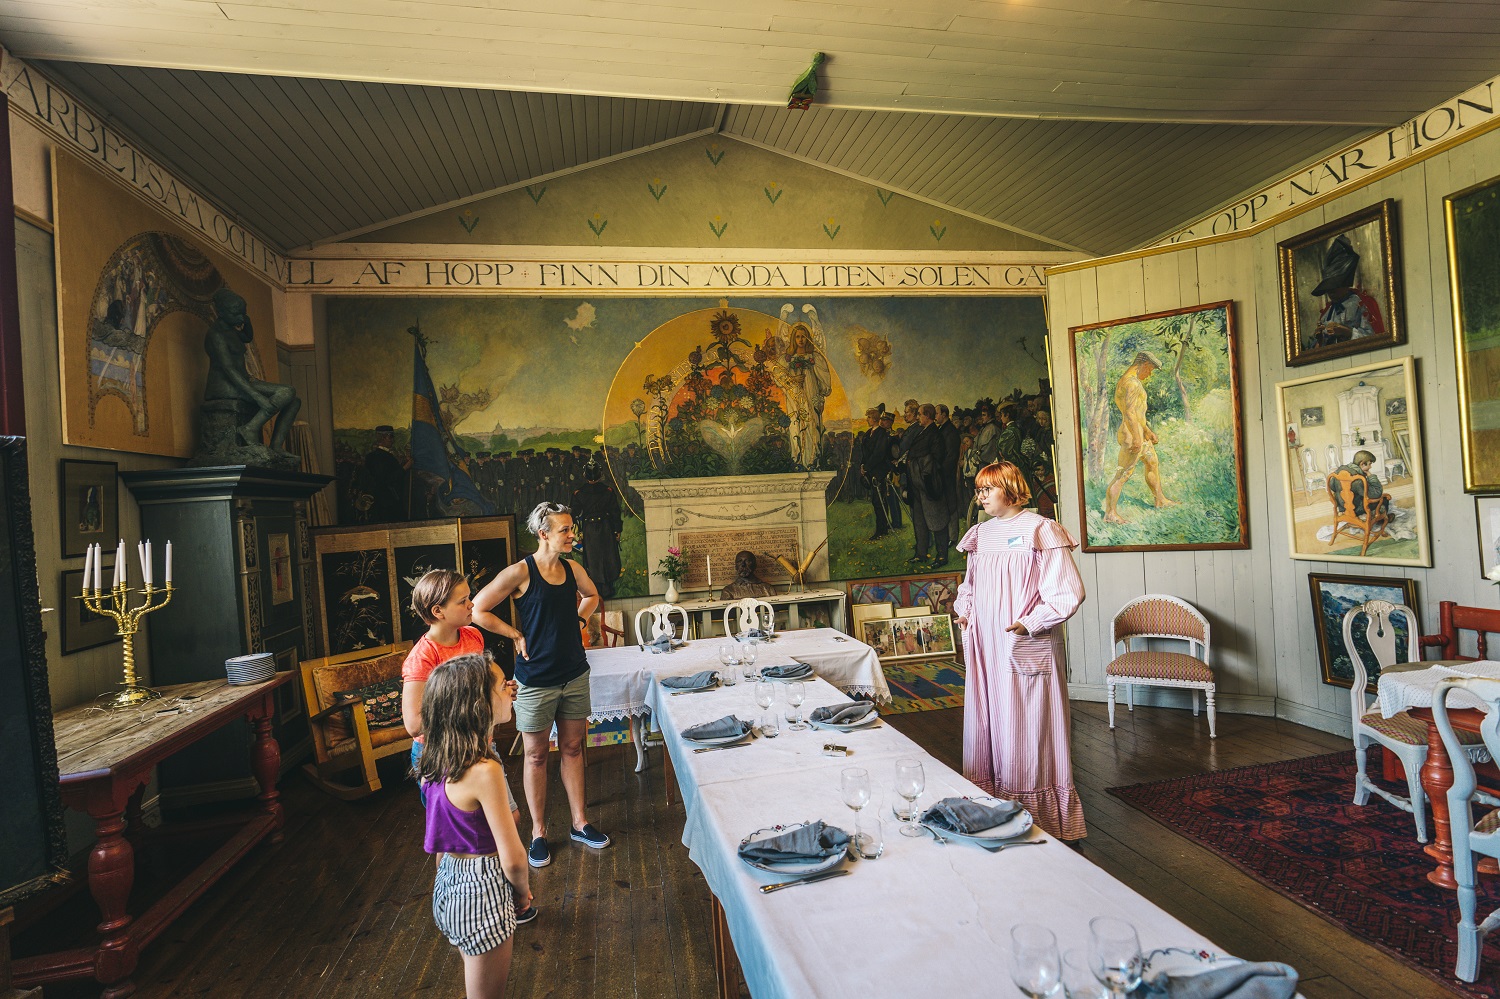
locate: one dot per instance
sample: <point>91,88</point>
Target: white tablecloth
<point>1414,688</point>
<point>924,917</point>
<point>619,677</point>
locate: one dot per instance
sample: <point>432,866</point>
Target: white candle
<point>169,563</point>
<point>150,571</point>
<point>120,562</point>
<point>710,560</point>
<point>140,551</point>
<point>98,561</point>
<point>88,561</point>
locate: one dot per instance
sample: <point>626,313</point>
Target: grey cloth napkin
<point>790,671</point>
<point>808,844</point>
<point>761,634</point>
<point>719,728</point>
<point>961,815</point>
<point>692,681</point>
<point>842,714</point>
<point>1251,980</point>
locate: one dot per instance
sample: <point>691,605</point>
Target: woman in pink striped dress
<point>1021,585</point>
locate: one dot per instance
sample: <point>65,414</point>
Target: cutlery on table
<point>700,690</point>
<point>715,749</point>
<point>767,889</point>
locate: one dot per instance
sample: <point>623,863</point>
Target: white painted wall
<point>1265,652</point>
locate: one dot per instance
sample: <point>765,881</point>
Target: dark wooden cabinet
<point>244,582</point>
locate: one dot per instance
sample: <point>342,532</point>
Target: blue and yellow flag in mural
<point>438,460</point>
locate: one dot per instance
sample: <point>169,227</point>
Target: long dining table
<point>620,677</point>
<point>924,916</point>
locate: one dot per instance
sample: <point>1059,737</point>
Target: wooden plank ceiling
<point>1099,124</point>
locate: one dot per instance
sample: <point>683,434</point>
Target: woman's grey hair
<point>538,521</point>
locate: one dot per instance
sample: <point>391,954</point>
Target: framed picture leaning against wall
<point>1473,227</point>
<point>1341,287</point>
<point>1333,597</point>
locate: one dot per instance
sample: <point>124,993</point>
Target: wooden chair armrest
<point>1436,641</point>
<point>347,702</point>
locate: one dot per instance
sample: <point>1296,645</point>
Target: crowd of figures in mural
<point>641,390</point>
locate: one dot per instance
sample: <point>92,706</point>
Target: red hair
<point>1007,478</point>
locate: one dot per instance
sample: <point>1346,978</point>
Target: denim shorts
<point>473,904</point>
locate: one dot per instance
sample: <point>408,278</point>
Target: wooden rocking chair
<point>343,738</point>
<point>1348,510</point>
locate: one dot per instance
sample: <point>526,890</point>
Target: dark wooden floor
<point>341,908</point>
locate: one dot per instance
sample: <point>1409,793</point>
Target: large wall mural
<point>773,424</point>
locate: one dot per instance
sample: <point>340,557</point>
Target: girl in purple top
<point>482,875</point>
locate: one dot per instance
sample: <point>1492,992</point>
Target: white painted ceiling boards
<point>1097,124</point>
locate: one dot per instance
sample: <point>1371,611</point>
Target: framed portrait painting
<point>90,505</point>
<point>1341,287</point>
<point>1333,597</point>
<point>1473,227</point>
<point>1487,514</point>
<point>1160,455</point>
<point>1354,487</point>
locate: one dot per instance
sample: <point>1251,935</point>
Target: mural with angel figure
<point>581,401</point>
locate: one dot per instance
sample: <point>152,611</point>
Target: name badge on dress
<point>1019,541</point>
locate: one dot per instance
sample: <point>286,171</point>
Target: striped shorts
<point>472,903</point>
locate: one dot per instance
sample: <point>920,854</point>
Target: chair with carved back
<point>1158,615</point>
<point>354,710</point>
<point>1403,735</point>
<point>660,623</point>
<point>1471,838</point>
<point>1359,511</point>
<point>746,614</point>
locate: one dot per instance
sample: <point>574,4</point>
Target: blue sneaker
<point>589,836</point>
<point>526,915</point>
<point>538,855</point>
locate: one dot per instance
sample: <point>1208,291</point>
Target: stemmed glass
<point>1034,963</point>
<point>1115,954</point>
<point>911,781</point>
<point>796,693</point>
<point>1078,977</point>
<point>730,660</point>
<point>855,784</point>
<point>748,648</point>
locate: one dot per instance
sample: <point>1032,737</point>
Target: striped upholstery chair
<point>1403,735</point>
<point>1157,615</point>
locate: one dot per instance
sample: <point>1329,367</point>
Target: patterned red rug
<point>1293,827</point>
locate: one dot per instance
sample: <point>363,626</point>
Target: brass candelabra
<point>115,604</point>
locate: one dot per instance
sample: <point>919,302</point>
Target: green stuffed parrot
<point>806,87</point>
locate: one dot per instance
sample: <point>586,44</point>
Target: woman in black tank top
<point>548,615</point>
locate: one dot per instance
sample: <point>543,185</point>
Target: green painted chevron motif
<point>468,220</point>
<point>657,188</point>
<point>832,227</point>
<point>714,153</point>
<point>718,225</point>
<point>598,223</point>
<point>773,191</point>
<point>938,230</point>
<point>536,194</point>
<point>885,196</point>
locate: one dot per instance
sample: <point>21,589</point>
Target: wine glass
<point>765,693</point>
<point>1034,964</point>
<point>1115,954</point>
<point>854,782</point>
<point>796,693</point>
<point>911,781</point>
<point>748,649</point>
<point>730,660</point>
<point>1078,977</point>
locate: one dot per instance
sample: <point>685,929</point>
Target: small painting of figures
<point>464,407</point>
<point>1340,287</point>
<point>1354,485</point>
<point>1159,446</point>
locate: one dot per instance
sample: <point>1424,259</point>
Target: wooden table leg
<point>265,761</point>
<point>1437,778</point>
<point>726,962</point>
<point>111,875</point>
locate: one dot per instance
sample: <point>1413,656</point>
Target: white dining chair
<point>748,613</point>
<point>661,622</point>
<point>1402,734</point>
<point>1471,838</point>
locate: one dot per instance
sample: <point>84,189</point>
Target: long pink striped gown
<point>1016,697</point>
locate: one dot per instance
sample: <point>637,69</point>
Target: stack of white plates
<point>257,667</point>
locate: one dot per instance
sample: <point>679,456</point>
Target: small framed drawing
<point>859,614</point>
<point>1341,287</point>
<point>281,568</point>
<point>90,505</point>
<point>1487,513</point>
<point>1332,598</point>
<point>81,627</point>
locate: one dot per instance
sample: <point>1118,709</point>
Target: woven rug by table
<point>923,686</point>
<point>1294,828</point>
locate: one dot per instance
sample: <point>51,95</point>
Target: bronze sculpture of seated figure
<point>745,582</point>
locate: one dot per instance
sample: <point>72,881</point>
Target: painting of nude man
<point>1160,454</point>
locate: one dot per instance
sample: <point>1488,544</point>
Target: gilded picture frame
<point>1487,524</point>
<point>1341,287</point>
<point>1472,224</point>
<point>1323,527</point>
